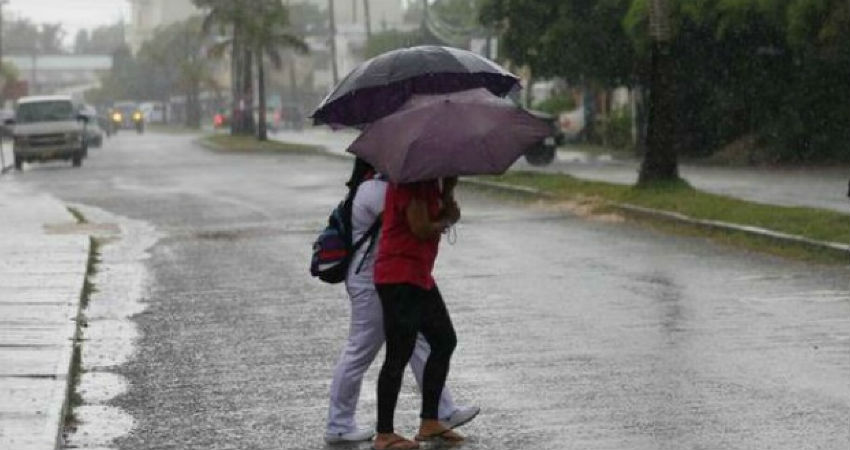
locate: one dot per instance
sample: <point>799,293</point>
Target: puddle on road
<point>121,281</point>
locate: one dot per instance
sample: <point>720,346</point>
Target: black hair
<point>359,172</point>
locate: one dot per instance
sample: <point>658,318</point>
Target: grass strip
<point>226,142</point>
<point>679,197</point>
<point>91,269</point>
<point>70,421</point>
<point>78,216</point>
<point>169,129</point>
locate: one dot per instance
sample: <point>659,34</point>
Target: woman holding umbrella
<point>366,332</point>
<point>427,114</point>
<point>415,214</point>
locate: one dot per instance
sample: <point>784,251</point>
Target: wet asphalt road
<point>573,333</point>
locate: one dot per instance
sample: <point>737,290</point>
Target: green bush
<point>618,129</point>
<point>556,104</point>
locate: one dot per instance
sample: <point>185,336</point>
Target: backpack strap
<point>371,233</point>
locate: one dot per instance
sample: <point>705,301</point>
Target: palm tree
<point>266,34</point>
<point>232,16</point>
<point>659,162</point>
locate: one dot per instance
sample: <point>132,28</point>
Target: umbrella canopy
<point>464,133</point>
<point>379,86</point>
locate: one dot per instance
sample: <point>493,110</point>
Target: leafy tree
<point>172,63</point>
<point>574,39</point>
<point>22,36</point>
<point>266,33</point>
<point>458,14</point>
<point>102,40</point>
<point>177,53</point>
<point>232,17</point>
<point>384,41</point>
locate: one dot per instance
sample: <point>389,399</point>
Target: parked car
<point>48,127</point>
<point>543,153</point>
<point>94,133</point>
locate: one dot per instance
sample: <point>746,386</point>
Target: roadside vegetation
<point>766,70</point>
<point>247,144</point>
<point>70,420</point>
<point>679,197</point>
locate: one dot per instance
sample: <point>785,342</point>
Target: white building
<point>351,32</point>
<point>147,15</point>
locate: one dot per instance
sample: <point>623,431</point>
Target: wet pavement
<point>573,333</point>
<point>42,269</point>
<point>813,187</point>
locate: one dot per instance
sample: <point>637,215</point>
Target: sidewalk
<point>824,188</point>
<point>41,279</point>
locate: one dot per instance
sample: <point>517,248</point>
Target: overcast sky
<point>72,14</point>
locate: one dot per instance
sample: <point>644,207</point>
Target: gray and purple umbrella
<point>470,132</point>
<point>379,86</point>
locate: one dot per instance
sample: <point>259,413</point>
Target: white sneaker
<point>360,434</point>
<point>461,416</point>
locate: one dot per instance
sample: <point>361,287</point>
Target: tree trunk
<point>660,162</point>
<point>248,125</point>
<point>193,106</point>
<point>236,83</point>
<point>293,79</point>
<point>334,67</point>
<point>262,132</point>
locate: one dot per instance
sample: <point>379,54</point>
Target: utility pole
<point>2,98</point>
<point>334,67</point>
<point>367,18</point>
<point>2,3</point>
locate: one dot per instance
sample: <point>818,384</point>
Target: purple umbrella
<point>379,86</point>
<point>464,133</point>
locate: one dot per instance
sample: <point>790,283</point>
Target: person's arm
<point>419,221</point>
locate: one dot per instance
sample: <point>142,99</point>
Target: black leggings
<point>409,310</point>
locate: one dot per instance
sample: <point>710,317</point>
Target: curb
<point>681,218</point>
<point>72,379</point>
<point>321,150</point>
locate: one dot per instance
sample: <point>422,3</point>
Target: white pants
<point>365,338</point>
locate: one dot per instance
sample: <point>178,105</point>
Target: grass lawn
<point>812,223</point>
<point>226,142</point>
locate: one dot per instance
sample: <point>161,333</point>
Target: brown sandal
<point>392,445</point>
<point>446,435</point>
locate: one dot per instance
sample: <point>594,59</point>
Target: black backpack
<point>333,250</point>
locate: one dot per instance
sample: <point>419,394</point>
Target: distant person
<point>366,332</point>
<point>415,214</point>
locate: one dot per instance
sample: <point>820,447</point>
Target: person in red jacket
<point>415,215</point>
